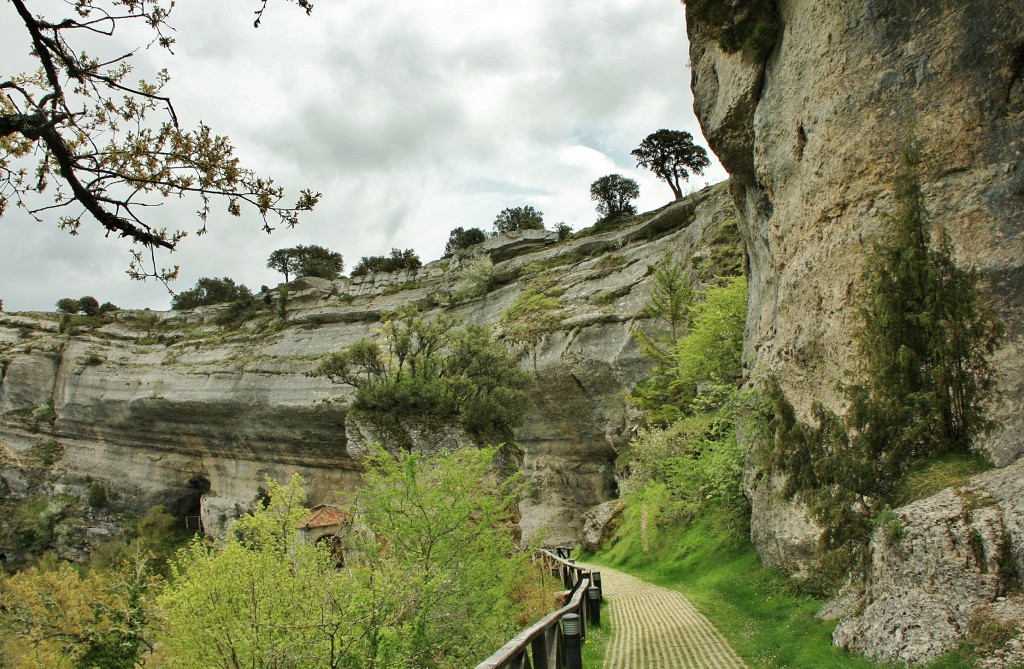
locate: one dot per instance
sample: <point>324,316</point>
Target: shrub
<point>924,346</point>
<point>210,291</point>
<point>97,496</point>
<point>397,261</point>
<point>518,218</point>
<point>436,370</point>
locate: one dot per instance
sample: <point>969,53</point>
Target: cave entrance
<point>189,506</point>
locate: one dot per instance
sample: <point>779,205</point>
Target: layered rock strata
<point>171,407</point>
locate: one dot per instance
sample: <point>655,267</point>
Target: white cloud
<point>411,118</point>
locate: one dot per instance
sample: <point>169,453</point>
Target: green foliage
<point>513,219</point>
<point>31,521</point>
<point>924,346</point>
<point>398,260</point>
<point>97,495</point>
<point>46,453</point>
<point>436,370</point>
<point>925,340</point>
<point>210,291</point>
<point>672,156</point>
<point>702,370</point>
<point>447,524</point>
<point>87,305</point>
<point>55,616</point>
<point>563,230</point>
<point>609,261</point>
<point>474,278</point>
<point>668,306</point>
<point>614,195</point>
<point>697,461</point>
<point>430,586</point>
<point>300,261</point>
<point>927,477</point>
<point>399,287</point>
<point>752,27</point>
<point>724,257</point>
<point>461,238</point>
<point>536,311</point>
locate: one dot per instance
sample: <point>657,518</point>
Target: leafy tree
<point>446,523</point>
<point>89,305</point>
<point>263,598</point>
<point>518,218</point>
<point>114,147</point>
<point>285,261</point>
<point>68,305</point>
<point>310,260</point>
<point>430,587</point>
<point>705,362</point>
<point>440,369</point>
<point>54,616</point>
<point>319,262</point>
<point>672,156</point>
<point>563,230</point>
<point>461,238</point>
<point>668,306</point>
<point>614,194</point>
<point>211,291</point>
<point>398,260</point>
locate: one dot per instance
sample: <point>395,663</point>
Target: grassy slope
<point>769,623</point>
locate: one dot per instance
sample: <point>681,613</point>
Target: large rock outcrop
<point>172,408</point>
<point>811,138</point>
<point>946,569</point>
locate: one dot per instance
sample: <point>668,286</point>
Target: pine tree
<point>925,340</point>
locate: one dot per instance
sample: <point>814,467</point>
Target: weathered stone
<point>812,139</point>
<point>597,523</point>
<point>171,408</point>
<point>944,560</point>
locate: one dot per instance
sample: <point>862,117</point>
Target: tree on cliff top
<point>310,260</point>
<point>614,195</point>
<point>672,156</point>
<point>518,218</point>
<point>109,147</point>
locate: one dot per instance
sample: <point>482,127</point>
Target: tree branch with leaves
<point>80,138</point>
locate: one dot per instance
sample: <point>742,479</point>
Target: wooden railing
<point>554,641</point>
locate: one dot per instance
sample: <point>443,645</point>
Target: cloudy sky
<point>411,117</point>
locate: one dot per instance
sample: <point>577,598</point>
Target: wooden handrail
<point>544,639</point>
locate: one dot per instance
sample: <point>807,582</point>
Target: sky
<point>411,118</point>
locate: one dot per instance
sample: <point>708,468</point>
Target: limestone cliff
<point>170,407</point>
<point>811,136</point>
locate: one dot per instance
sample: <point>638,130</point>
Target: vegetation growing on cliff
<point>924,385</point>
<point>752,27</point>
<point>432,370</point>
<point>432,580</point>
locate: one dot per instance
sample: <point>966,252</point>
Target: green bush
<point>441,370</point>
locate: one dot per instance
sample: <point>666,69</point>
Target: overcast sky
<point>411,117</point>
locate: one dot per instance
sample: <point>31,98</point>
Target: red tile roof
<point>323,516</point>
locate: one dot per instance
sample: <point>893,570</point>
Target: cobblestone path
<point>657,628</point>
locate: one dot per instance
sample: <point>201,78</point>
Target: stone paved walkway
<point>657,628</point>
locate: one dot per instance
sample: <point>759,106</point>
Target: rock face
<point>811,138</point>
<point>941,570</point>
<point>172,408</point>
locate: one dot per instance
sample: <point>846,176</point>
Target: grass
<point>597,642</point>
<point>929,477</point>
<point>768,618</point>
